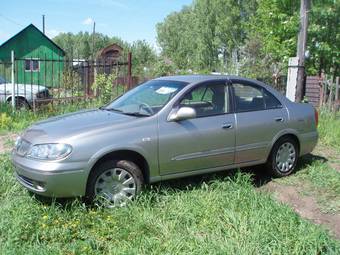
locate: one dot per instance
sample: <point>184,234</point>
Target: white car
<point>24,93</point>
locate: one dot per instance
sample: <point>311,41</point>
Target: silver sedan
<point>166,128</point>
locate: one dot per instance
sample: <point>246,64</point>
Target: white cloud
<point>88,21</point>
<point>53,32</point>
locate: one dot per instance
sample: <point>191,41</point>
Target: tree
<point>206,34</point>
<point>324,38</point>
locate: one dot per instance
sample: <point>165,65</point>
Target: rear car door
<point>206,141</point>
<point>260,116</point>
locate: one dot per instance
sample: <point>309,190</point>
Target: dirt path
<point>5,142</point>
<point>330,154</point>
<point>306,206</point>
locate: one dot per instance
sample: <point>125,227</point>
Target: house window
<point>32,65</point>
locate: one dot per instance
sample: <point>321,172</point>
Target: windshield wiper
<point>137,114</point>
<point>110,109</point>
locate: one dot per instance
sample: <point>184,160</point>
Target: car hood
<point>86,122</point>
<point>21,88</point>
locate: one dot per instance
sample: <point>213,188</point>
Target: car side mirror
<point>182,113</point>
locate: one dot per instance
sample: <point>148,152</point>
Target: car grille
<point>22,147</point>
<point>35,185</point>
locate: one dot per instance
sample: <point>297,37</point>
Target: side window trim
<point>226,82</point>
<point>262,89</point>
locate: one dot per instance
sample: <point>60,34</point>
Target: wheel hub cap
<point>285,157</point>
<point>115,187</point>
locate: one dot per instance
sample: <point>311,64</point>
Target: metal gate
<point>41,80</point>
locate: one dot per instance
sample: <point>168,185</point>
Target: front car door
<point>206,141</point>
<point>260,116</point>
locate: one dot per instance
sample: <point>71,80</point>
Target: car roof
<point>197,78</point>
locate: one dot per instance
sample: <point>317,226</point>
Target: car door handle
<point>278,119</point>
<point>227,125</point>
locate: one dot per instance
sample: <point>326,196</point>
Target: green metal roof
<point>34,27</point>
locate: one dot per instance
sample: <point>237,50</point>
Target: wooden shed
<point>38,59</point>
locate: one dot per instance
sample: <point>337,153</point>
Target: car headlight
<point>49,151</point>
<point>18,142</point>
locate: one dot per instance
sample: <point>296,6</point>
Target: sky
<point>128,19</point>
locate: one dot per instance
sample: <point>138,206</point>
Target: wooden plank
<point>313,89</point>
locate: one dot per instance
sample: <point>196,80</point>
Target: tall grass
<point>329,129</point>
<point>221,215</point>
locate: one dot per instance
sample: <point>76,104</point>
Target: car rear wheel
<point>283,158</point>
<point>114,183</point>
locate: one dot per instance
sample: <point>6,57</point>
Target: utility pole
<point>301,48</point>
<point>43,21</point>
<point>93,35</point>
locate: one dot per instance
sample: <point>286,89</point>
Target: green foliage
<point>252,38</point>
<point>71,79</point>
<point>5,120</point>
<point>163,68</point>
<point>324,37</point>
<point>329,130</point>
<point>104,86</point>
<point>80,46</point>
<point>143,58</point>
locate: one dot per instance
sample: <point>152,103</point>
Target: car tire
<point>283,157</point>
<point>114,183</point>
<point>20,103</point>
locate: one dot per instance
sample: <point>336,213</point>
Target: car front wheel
<point>114,183</point>
<point>283,158</point>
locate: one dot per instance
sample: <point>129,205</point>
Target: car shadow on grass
<point>258,177</point>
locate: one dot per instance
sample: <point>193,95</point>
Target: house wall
<point>31,43</point>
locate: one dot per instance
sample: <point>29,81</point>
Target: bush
<point>104,85</point>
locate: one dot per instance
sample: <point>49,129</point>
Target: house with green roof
<point>38,60</point>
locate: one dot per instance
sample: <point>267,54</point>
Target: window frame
<point>31,65</point>
<point>226,83</point>
<point>254,85</point>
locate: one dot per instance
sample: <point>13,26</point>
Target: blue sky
<point>128,19</point>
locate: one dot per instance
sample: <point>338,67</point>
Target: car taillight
<point>316,115</point>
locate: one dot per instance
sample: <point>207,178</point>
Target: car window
<point>271,101</point>
<point>208,100</point>
<point>147,98</point>
<point>248,98</point>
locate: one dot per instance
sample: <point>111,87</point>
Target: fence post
<point>13,82</point>
<point>129,70</point>
<point>330,99</point>
<point>337,89</point>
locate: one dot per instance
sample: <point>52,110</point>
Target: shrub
<point>104,85</point>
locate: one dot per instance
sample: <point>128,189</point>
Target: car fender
<point>109,149</point>
<point>287,131</point>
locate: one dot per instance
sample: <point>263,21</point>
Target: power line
<point>10,20</point>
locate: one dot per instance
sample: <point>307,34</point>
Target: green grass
<point>329,129</point>
<point>204,215</point>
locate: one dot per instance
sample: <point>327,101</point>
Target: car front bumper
<point>51,179</point>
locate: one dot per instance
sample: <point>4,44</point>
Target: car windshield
<point>2,80</point>
<point>146,99</point>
